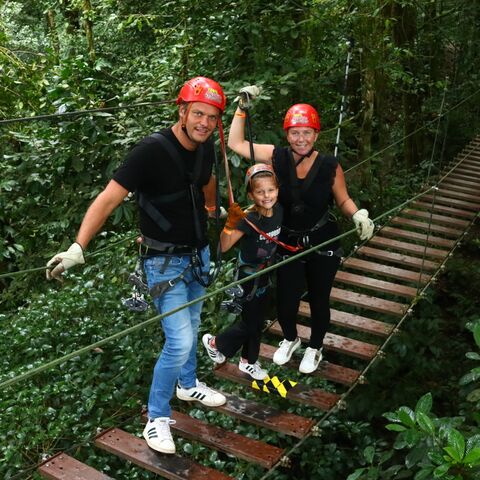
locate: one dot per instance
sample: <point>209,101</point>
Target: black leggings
<point>318,271</point>
<point>246,333</point>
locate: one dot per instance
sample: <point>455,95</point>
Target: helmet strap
<point>302,158</point>
<point>184,121</point>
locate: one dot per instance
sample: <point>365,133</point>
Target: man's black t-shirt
<point>255,249</point>
<point>149,169</point>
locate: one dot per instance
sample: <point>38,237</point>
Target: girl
<point>256,252</point>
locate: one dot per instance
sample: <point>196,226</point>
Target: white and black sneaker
<point>213,353</point>
<point>201,393</point>
<point>253,369</point>
<point>158,436</point>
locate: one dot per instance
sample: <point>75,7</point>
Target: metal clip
<point>136,302</point>
<point>285,462</point>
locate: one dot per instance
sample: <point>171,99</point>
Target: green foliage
<point>438,447</point>
<point>51,171</point>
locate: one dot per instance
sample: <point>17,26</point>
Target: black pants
<point>318,272</point>
<point>246,333</point>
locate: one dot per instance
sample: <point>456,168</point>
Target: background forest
<point>412,104</point>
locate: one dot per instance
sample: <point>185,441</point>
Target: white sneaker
<point>284,353</point>
<point>201,393</point>
<point>213,353</point>
<point>253,369</point>
<point>158,436</point>
<point>311,358</point>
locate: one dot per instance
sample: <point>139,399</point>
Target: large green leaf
<point>424,405</point>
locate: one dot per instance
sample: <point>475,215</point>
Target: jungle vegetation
<point>412,103</point>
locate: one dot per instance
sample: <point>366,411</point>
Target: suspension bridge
<point>374,293</point>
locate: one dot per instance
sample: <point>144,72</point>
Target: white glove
<point>363,224</point>
<point>64,260</point>
<point>246,95</point>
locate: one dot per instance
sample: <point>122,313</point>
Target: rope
<point>150,321</point>
<point>412,133</point>
<point>344,95</point>
<point>87,255</point>
<point>430,217</point>
<point>346,394</point>
<point>84,112</point>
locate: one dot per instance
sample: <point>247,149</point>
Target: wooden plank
<point>432,227</point>
<point>265,416</point>
<point>375,284</point>
<point>470,169</point>
<point>368,302</point>
<point>328,371</point>
<point>459,181</point>
<point>63,467</point>
<point>453,202</point>
<point>444,209</point>
<point>220,439</point>
<point>333,342</point>
<point>136,450</point>
<point>472,159</point>
<point>442,219</point>
<point>469,172</point>
<point>461,196</point>
<point>405,260</point>
<point>314,397</point>
<point>408,247</point>
<point>351,320</point>
<point>415,236</point>
<point>461,176</point>
<point>386,270</point>
<point>471,163</point>
<point>460,188</point>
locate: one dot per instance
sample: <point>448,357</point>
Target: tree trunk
<point>404,35</point>
<point>52,32</point>
<point>88,25</point>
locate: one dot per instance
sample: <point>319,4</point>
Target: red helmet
<point>302,115</point>
<point>205,90</point>
<point>258,168</point>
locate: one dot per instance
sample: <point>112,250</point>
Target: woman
<point>309,183</point>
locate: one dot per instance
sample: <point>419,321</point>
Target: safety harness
<point>151,246</point>
<point>302,237</point>
<point>236,293</point>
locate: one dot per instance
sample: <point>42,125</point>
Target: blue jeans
<point>177,360</point>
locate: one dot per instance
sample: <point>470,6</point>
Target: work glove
<point>235,214</point>
<point>64,260</point>
<point>363,224</point>
<point>246,95</point>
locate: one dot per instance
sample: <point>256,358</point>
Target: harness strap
<point>161,288</point>
<point>191,178</point>
<point>298,233</point>
<point>290,248</point>
<point>166,248</point>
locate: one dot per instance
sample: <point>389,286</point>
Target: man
<point>171,173</point>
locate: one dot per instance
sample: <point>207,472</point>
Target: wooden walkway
<point>373,290</point>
